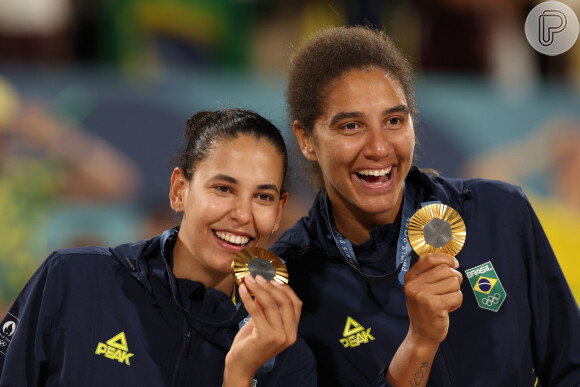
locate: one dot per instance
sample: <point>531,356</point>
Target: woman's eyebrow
<point>227,178</point>
<point>342,115</point>
<point>397,109</point>
<point>272,187</point>
<point>233,180</point>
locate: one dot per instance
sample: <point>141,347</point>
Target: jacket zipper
<point>186,343</point>
<point>178,371</point>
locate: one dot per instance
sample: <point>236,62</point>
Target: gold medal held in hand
<point>436,228</point>
<point>257,260</point>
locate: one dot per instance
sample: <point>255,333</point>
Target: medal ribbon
<point>403,246</point>
<point>240,317</point>
<point>167,243</point>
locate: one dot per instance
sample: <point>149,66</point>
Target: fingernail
<point>456,263</point>
<point>243,289</point>
<point>250,279</point>
<point>276,283</point>
<point>261,279</point>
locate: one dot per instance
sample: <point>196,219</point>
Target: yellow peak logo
<point>116,349</point>
<point>355,334</point>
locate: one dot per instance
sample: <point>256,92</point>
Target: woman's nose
<point>377,143</point>
<point>242,211</point>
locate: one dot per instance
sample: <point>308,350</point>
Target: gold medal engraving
<point>436,228</point>
<point>257,260</point>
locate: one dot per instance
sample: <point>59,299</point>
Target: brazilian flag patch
<point>486,286</point>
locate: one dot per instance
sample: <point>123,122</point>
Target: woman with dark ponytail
<point>167,311</point>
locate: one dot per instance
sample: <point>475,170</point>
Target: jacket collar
<point>429,187</point>
<point>150,263</point>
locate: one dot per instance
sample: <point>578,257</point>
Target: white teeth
<point>235,239</point>
<point>374,172</point>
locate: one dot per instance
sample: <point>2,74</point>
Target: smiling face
<point>363,141</point>
<point>232,201</point>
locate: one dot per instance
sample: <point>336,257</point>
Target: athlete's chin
<point>378,207</point>
<point>222,263</point>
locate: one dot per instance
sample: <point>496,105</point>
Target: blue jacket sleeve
<point>382,379</point>
<point>295,366</point>
<point>555,314</point>
<point>23,357</point>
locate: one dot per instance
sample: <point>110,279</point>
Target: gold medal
<point>436,228</point>
<point>257,260</point>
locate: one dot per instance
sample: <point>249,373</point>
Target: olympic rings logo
<point>491,300</point>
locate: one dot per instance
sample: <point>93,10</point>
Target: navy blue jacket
<point>113,316</point>
<point>355,326</point>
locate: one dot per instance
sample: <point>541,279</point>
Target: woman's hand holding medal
<point>432,289</point>
<point>432,285</point>
<point>275,311</point>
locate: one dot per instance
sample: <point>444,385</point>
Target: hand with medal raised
<point>274,309</point>
<point>432,285</point>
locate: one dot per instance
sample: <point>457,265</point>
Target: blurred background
<point>94,96</point>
